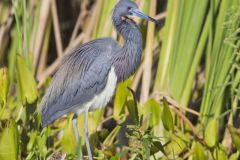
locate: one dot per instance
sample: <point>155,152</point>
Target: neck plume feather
<point>128,58</point>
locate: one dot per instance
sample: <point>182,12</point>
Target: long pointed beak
<point>138,13</point>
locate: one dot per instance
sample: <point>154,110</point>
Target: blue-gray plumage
<point>87,78</point>
<point>80,76</point>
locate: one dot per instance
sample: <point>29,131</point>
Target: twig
<point>107,119</point>
<point>81,38</point>
<point>78,24</point>
<point>161,16</point>
<point>147,74</point>
<point>186,120</point>
<point>137,78</point>
<point>44,12</point>
<point>94,16</point>
<point>44,53</point>
<point>4,31</point>
<point>158,96</point>
<point>177,109</point>
<point>56,25</point>
<point>76,27</point>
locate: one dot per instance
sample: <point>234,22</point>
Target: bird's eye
<point>129,8</point>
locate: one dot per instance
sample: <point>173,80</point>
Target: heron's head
<point>126,8</point>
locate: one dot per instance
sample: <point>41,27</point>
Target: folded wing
<point>81,75</point>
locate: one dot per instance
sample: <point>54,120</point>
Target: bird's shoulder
<point>92,53</point>
<point>102,45</point>
<point>107,43</point>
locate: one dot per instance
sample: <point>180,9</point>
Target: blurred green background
<point>184,99</point>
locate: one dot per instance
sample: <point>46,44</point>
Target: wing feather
<point>81,75</point>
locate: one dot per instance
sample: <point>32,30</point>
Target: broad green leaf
<point>157,146</point>
<point>235,134</point>
<point>4,85</point>
<point>33,137</point>
<point>102,134</point>
<point>41,141</point>
<point>220,153</point>
<point>153,107</point>
<point>12,56</point>
<point>68,141</point>
<point>198,152</point>
<point>175,147</point>
<point>9,142</point>
<point>133,111</point>
<point>94,119</point>
<point>110,138</point>
<point>167,118</point>
<point>234,156</point>
<point>114,158</point>
<point>132,106</point>
<point>27,84</point>
<point>211,133</point>
<point>120,99</point>
<point>133,157</point>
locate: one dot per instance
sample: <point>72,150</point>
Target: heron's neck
<point>128,58</point>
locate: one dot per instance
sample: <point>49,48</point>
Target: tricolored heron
<point>87,78</point>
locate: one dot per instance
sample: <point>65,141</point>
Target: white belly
<point>104,97</point>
